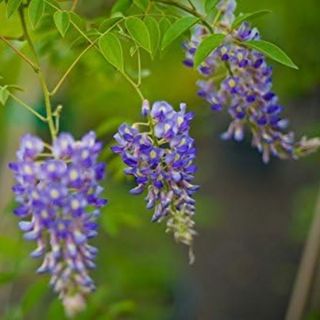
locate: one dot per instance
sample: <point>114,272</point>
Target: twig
<point>74,5</point>
<point>63,78</point>
<point>41,77</point>
<point>94,43</point>
<point>20,54</point>
<point>29,108</point>
<point>187,9</point>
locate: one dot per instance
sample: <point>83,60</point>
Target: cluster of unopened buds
<point>59,198</point>
<point>238,78</point>
<point>160,155</point>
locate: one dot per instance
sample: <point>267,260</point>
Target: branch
<point>29,108</point>
<point>20,54</point>
<point>74,5</point>
<point>186,9</point>
<point>57,87</point>
<point>41,77</point>
<point>94,43</point>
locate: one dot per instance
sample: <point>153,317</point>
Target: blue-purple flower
<point>160,155</point>
<point>59,196</point>
<point>238,78</point>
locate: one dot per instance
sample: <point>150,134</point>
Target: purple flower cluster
<point>161,160</point>
<point>59,200</point>
<point>239,78</point>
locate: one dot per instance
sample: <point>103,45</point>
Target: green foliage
<point>210,5</point>
<point>155,34</point>
<point>4,94</point>
<point>177,29</point>
<point>139,32</point>
<point>121,6</point>
<point>12,7</point>
<point>142,4</point>
<point>248,17</point>
<point>207,46</point>
<point>108,23</point>
<point>36,11</point>
<point>164,25</point>
<point>271,51</point>
<point>62,21</point>
<point>111,48</point>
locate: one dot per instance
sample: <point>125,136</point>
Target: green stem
<point>133,84</point>
<point>192,5</point>
<point>47,102</point>
<point>41,77</point>
<point>63,78</point>
<point>216,18</point>
<point>139,66</point>
<point>57,114</point>
<point>20,54</point>
<point>74,5</point>
<point>29,108</point>
<point>227,65</point>
<point>93,43</point>
<point>187,9</point>
<point>14,38</point>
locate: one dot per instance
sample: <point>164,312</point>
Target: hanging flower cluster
<point>59,200</point>
<point>161,160</point>
<point>239,78</point>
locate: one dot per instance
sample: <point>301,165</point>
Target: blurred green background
<point>252,219</point>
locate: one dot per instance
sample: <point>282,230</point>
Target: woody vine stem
<point>46,93</point>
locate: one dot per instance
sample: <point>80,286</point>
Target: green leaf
<point>111,48</point>
<point>210,5</point>
<point>208,45</point>
<point>36,10</point>
<point>78,20</point>
<point>52,4</point>
<point>177,29</point>
<point>62,21</point>
<point>12,7</point>
<point>249,16</point>
<point>141,4</point>
<point>108,23</point>
<point>121,6</point>
<point>139,32</point>
<point>271,51</point>
<point>155,34</point>
<point>4,95</point>
<point>164,25</point>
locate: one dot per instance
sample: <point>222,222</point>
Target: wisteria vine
<point>58,185</point>
<point>239,79</point>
